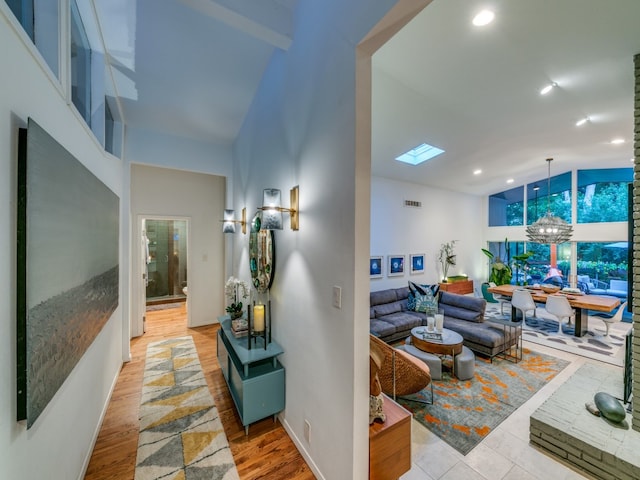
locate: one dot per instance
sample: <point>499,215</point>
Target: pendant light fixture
<point>549,228</point>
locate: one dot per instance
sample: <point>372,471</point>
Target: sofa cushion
<point>387,308</point>
<point>464,307</point>
<point>403,321</point>
<point>382,296</point>
<point>372,313</point>
<point>381,328</point>
<point>487,334</point>
<point>462,313</point>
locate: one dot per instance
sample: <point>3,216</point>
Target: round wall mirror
<point>262,255</point>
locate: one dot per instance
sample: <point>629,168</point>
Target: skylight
<point>420,154</point>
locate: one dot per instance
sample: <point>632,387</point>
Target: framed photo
<point>375,267</point>
<point>417,263</point>
<point>396,265</point>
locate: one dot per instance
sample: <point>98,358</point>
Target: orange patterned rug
<point>465,411</point>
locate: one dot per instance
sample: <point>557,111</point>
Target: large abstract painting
<point>68,236</point>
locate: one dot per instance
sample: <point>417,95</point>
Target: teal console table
<point>255,377</point>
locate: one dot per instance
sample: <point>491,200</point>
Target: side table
<point>255,377</point>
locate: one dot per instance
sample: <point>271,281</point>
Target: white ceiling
<point>474,92</point>
<point>191,68</point>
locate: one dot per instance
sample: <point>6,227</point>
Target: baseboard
<point>105,407</point>
<point>301,448</point>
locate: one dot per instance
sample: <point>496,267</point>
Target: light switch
<point>337,296</point>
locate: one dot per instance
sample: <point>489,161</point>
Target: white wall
<point>200,197</point>
<point>301,131</point>
<point>444,216</point>
<point>60,442</point>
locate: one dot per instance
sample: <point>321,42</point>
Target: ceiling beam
<point>265,20</point>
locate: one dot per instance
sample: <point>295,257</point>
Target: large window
<point>559,202</point>
<point>507,208</point>
<point>601,262</point>
<point>602,195</point>
<point>80,66</point>
<point>40,20</point>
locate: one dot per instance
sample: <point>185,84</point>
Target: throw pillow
<point>414,289</point>
<point>426,303</point>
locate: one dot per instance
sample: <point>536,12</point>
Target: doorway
<point>166,261</point>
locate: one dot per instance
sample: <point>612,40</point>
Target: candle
<point>258,314</point>
<point>439,321</point>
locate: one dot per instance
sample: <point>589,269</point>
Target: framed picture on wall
<point>417,263</point>
<point>396,265</point>
<point>375,267</point>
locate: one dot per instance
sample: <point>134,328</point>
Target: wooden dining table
<point>582,303</point>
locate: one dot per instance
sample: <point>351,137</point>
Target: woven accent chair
<point>400,374</point>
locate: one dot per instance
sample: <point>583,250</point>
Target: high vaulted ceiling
<point>191,68</point>
<point>474,92</point>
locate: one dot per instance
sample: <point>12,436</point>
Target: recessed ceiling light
<point>582,121</point>
<point>477,172</point>
<point>420,154</point>
<point>511,180</point>
<point>483,18</point>
<point>617,141</point>
<point>632,160</point>
<point>547,88</point>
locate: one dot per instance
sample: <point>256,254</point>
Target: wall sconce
<point>272,209</point>
<point>229,222</point>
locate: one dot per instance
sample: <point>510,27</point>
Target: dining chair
<point>504,300</point>
<point>558,306</point>
<point>609,318</point>
<point>523,301</point>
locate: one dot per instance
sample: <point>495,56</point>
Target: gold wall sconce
<point>229,222</point>
<point>272,209</point>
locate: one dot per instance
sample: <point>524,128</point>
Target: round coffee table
<point>451,343</point>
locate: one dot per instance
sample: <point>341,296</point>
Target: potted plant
<point>521,264</point>
<point>235,290</point>
<point>500,271</point>
<point>447,258</point>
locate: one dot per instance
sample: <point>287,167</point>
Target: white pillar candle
<point>439,321</point>
<point>258,318</point>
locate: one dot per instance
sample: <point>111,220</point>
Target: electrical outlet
<point>337,296</point>
<point>307,431</point>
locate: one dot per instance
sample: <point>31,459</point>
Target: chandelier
<point>549,228</point>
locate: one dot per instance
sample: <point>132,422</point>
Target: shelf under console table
<point>255,376</point>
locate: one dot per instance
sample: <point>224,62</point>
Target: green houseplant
<point>521,264</point>
<point>500,271</point>
<point>447,258</point>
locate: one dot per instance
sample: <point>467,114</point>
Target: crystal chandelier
<point>549,228</point>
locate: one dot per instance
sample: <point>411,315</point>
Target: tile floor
<point>506,453</point>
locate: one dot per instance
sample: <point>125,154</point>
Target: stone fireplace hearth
<point>563,426</point>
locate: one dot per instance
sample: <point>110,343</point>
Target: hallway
<point>266,453</point>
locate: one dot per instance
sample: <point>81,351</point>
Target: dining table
<point>581,302</point>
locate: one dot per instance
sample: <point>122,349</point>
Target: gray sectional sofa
<point>390,320</point>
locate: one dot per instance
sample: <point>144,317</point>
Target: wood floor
<point>266,453</point>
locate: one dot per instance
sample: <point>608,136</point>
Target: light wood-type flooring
<point>266,453</point>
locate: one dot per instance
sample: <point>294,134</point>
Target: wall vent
<point>413,203</point>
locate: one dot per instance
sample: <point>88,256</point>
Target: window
<point>40,20</point>
<point>507,208</point>
<point>559,203</point>
<point>80,66</point>
<point>600,262</point>
<point>602,195</point>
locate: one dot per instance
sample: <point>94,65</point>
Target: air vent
<point>413,203</point>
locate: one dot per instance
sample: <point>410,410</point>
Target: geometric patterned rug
<point>543,330</point>
<point>181,436</point>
